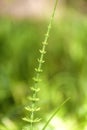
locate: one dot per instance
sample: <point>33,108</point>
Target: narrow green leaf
<point>55,112</point>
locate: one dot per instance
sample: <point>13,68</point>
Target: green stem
<point>36,79</point>
<point>41,60</point>
<point>55,112</point>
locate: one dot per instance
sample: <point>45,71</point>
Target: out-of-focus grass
<point>65,71</point>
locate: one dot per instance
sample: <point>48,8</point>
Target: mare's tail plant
<point>33,108</point>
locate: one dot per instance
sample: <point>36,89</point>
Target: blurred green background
<point>65,69</point>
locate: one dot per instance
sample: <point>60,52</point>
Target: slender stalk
<point>55,112</point>
<point>34,98</point>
